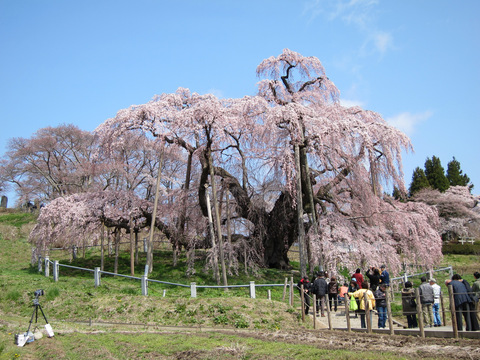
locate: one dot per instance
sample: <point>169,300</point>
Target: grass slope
<point>114,321</point>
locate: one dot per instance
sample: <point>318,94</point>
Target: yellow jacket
<point>359,294</point>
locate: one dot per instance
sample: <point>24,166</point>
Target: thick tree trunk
<point>280,233</point>
<point>276,230</point>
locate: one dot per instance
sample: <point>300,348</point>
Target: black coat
<point>374,279</point>
<point>320,287</point>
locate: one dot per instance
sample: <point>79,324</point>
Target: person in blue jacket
<point>384,276</point>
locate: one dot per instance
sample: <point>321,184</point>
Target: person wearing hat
<point>307,286</point>
<point>437,290</point>
<point>384,276</point>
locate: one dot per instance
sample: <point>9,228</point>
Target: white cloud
<point>359,13</point>
<point>383,41</point>
<point>350,103</point>
<point>218,93</point>
<point>407,122</point>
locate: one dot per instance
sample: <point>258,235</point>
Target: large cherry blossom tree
<point>294,162</point>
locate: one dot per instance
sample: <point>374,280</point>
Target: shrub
<point>465,249</point>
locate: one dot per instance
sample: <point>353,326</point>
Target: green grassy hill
<point>114,321</point>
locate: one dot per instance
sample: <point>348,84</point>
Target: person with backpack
<point>409,305</point>
<point>320,289</point>
<point>381,305</point>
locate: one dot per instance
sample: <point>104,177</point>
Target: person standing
<point>437,291</point>
<point>384,276</point>
<point>474,326</point>
<point>461,301</point>
<point>320,289</point>
<point>361,294</point>
<point>373,275</point>
<point>426,299</point>
<point>381,305</point>
<point>351,289</point>
<point>333,293</point>
<point>358,278</point>
<point>342,292</point>
<point>409,306</point>
<point>476,294</point>
<point>306,292</point>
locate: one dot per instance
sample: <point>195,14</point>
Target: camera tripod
<point>36,306</point>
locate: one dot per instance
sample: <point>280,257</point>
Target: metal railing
<point>45,262</point>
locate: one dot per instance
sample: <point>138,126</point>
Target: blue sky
<point>414,62</point>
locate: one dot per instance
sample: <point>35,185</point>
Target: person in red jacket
<point>359,277</point>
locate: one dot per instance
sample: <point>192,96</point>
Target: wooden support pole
<point>367,312</point>
<point>452,310</point>
<point>347,312</point>
<point>302,298</point>
<point>389,313</point>
<point>442,305</point>
<point>419,314</point>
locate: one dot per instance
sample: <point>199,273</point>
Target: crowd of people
<point>329,293</point>
<point>372,296</point>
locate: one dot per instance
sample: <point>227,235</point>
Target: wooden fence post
<point>419,313</point>
<point>285,289</point>
<point>347,312</point>
<point>302,299</point>
<point>367,312</point>
<point>452,310</point>
<point>327,300</point>
<point>442,305</point>
<point>389,313</point>
<point>314,311</point>
<point>291,291</point>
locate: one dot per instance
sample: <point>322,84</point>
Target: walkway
<point>339,322</point>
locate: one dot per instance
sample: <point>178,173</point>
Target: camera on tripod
<point>28,336</point>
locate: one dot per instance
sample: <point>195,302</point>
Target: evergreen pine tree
<point>455,176</point>
<point>398,195</point>
<point>419,181</point>
<point>436,174</point>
